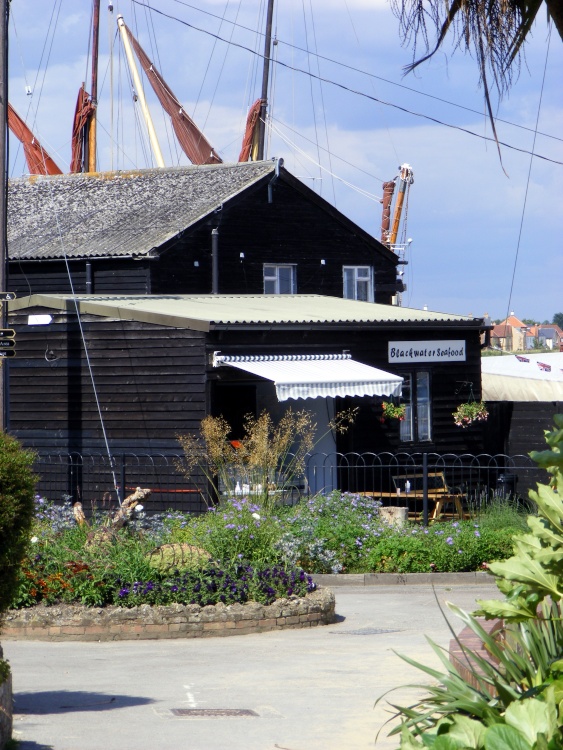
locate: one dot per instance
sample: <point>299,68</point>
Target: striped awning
<point>316,375</point>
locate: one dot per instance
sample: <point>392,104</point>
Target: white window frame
<point>417,397</point>
<point>360,274</point>
<point>272,274</point>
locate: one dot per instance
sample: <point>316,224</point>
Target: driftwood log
<point>123,513</point>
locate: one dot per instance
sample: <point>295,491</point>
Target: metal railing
<point>90,477</point>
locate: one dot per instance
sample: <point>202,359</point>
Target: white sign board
<point>426,351</point>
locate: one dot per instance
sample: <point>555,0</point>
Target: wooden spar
<point>139,91</point>
<point>94,89</point>
<point>4,4</point>
<point>265,80</point>
<point>405,179</point>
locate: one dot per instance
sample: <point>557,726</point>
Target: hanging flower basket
<point>466,414</point>
<point>392,411</point>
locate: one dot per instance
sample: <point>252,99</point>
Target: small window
<point>358,283</point>
<point>280,279</point>
<point>418,414</point>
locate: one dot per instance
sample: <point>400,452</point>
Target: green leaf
<point>468,732</point>
<point>527,543</point>
<point>408,741</point>
<point>491,608</point>
<point>530,572</point>
<point>549,556</point>
<point>531,717</point>
<point>503,737</point>
<point>446,742</point>
<point>542,531</point>
<point>549,505</point>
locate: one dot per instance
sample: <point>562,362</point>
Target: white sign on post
<point>426,351</point>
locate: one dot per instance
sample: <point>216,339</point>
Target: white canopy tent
<point>529,377</point>
<point>316,375</point>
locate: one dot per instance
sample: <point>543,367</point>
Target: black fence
<point>399,479</point>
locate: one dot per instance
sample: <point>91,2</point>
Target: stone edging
<point>78,623</point>
<point>398,579</point>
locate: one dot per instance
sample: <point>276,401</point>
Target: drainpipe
<point>215,261</point>
<point>89,283</point>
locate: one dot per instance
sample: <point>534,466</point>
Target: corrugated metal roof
<point>117,213</point>
<point>202,312</point>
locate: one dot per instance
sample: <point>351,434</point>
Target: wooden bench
<point>410,486</point>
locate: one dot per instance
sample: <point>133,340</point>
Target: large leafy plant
<point>535,571</point>
<point>513,699</point>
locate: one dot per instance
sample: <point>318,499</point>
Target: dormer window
<point>280,279</point>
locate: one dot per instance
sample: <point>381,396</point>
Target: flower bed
<point>239,553</point>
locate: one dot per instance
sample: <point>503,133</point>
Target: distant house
<point>550,336</point>
<point>511,335</point>
<point>249,228</point>
<point>138,370</point>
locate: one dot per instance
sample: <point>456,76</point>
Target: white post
<point>142,101</point>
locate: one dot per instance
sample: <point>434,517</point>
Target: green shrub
<point>238,530</point>
<point>17,486</point>
<point>444,548</point>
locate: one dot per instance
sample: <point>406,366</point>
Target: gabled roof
<point>113,214</point>
<point>501,331</point>
<point>551,331</point>
<point>205,312</point>
<point>125,214</point>
<point>513,321</point>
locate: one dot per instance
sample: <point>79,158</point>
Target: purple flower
<point>449,540</point>
<point>477,533</point>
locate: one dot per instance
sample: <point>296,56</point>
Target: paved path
<point>312,689</point>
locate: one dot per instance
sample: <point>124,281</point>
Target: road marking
<point>191,701</point>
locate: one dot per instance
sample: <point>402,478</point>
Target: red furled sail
<point>82,116</point>
<point>250,141</point>
<point>38,160</point>
<point>388,190</point>
<point>194,144</point>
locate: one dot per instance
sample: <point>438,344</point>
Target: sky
<point>486,236</point>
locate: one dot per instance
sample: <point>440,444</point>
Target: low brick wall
<point>77,623</point>
<point>470,640</point>
<point>5,709</point>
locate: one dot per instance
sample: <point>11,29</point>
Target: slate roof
<point>113,214</point>
<point>207,311</point>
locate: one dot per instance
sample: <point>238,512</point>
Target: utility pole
<point>265,80</point>
<point>4,5</point>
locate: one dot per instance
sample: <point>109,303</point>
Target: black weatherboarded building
<point>244,228</point>
<point>139,370</point>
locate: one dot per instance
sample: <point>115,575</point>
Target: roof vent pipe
<point>278,163</point>
<point>215,261</point>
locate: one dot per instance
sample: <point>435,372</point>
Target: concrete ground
<point>311,689</point>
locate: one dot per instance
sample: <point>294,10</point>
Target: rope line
<point>354,69</point>
<point>363,192</point>
<point>527,182</point>
<point>357,92</point>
